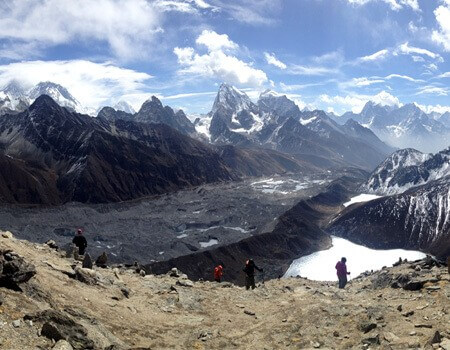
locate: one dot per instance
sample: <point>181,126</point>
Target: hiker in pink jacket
<point>342,273</point>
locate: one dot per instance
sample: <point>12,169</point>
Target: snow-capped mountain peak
<point>231,99</point>
<point>58,93</point>
<point>408,168</point>
<point>124,107</point>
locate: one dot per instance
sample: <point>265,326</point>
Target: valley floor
<point>164,312</point>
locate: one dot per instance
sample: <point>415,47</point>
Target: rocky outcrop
<point>170,311</point>
<point>14,270</point>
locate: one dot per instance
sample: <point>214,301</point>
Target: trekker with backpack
<point>218,272</point>
<point>341,269</point>
<point>80,241</point>
<point>249,270</point>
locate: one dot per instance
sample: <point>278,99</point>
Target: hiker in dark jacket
<point>80,241</point>
<point>342,273</point>
<point>249,270</point>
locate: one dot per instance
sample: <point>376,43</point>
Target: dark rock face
<point>276,122</point>
<point>416,219</point>
<point>60,156</point>
<point>14,270</point>
<point>408,168</point>
<point>152,111</point>
<point>57,325</point>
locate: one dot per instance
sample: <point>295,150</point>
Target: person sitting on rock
<point>342,273</point>
<point>218,272</point>
<point>80,241</point>
<point>249,270</point>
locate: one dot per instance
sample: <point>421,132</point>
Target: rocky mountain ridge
<point>65,156</point>
<point>276,122</point>
<point>403,126</point>
<point>119,308</point>
<point>407,168</point>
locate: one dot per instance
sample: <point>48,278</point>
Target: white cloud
<point>126,26</point>
<point>444,75</point>
<point>418,58</point>
<point>214,41</point>
<point>364,81</point>
<point>406,49</point>
<point>93,84</point>
<point>356,102</point>
<point>405,77</point>
<point>261,12</point>
<point>311,70</point>
<point>442,35</point>
<point>271,59</point>
<point>433,90</point>
<point>394,4</point>
<point>218,64</point>
<point>379,55</point>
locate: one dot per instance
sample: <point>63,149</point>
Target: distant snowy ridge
<point>408,168</point>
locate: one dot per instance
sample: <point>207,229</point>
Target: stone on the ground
<point>52,244</point>
<point>125,291</point>
<point>366,327</point>
<point>57,326</point>
<point>174,272</point>
<point>7,234</point>
<point>87,262</point>
<point>185,283</point>
<point>16,323</point>
<point>436,338</point>
<point>102,260</point>
<point>87,276</point>
<point>445,344</point>
<point>14,270</point>
<point>62,345</point>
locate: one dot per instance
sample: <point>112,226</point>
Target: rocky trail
<point>48,301</point>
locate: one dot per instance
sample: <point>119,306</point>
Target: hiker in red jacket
<point>218,272</point>
<point>342,273</point>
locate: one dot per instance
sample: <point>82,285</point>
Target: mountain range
<point>414,210</point>
<point>52,155</point>
<point>404,126</point>
<point>276,122</point>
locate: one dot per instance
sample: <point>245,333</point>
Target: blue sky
<point>329,54</point>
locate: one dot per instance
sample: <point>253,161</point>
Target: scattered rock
<point>413,285</point>
<point>70,251</point>
<point>400,308</point>
<point>102,260</point>
<point>185,283</point>
<point>423,325</point>
<point>248,312</point>
<point>7,234</point>
<point>2,299</point>
<point>407,314</point>
<point>87,262</point>
<point>336,334</point>
<point>436,338</point>
<point>52,244</point>
<point>142,273</point>
<point>372,340</point>
<point>62,345</point>
<point>16,323</point>
<point>57,326</point>
<point>390,337</point>
<point>366,327</point>
<point>125,291</point>
<point>174,272</point>
<point>445,344</point>
<point>433,288</point>
<point>14,270</point>
<point>87,276</point>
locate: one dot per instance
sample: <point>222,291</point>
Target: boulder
<point>87,276</point>
<point>62,345</point>
<point>102,260</point>
<point>14,270</point>
<point>7,234</point>
<point>52,244</point>
<point>87,262</point>
<point>59,326</point>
